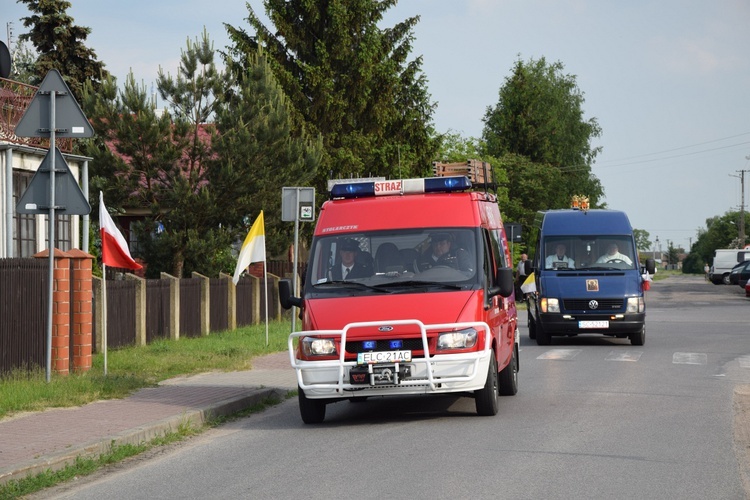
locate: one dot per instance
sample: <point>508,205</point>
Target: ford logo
<point>385,329</point>
<point>593,304</point>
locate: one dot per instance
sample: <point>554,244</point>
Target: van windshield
<point>416,258</point>
<point>589,252</point>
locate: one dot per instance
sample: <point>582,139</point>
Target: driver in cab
<point>442,253</point>
<point>613,255</point>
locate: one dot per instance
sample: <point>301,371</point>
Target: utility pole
<point>741,177</point>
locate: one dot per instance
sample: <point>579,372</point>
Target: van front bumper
<point>432,374</point>
<point>615,324</point>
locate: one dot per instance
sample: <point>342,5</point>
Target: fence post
<point>140,309</point>
<point>98,312</point>
<point>205,303</point>
<point>174,305</point>
<point>81,309</point>
<point>231,301</point>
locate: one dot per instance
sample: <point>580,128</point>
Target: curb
<point>137,435</point>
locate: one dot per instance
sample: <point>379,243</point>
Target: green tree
<point>720,232</point>
<point>350,81</point>
<point>539,118</point>
<point>61,46</point>
<point>24,59</point>
<point>642,242</point>
<point>258,151</point>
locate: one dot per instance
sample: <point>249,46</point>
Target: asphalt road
<point>594,418</point>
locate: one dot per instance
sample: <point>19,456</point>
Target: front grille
<point>584,304</point>
<point>356,346</point>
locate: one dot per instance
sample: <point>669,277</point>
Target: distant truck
<point>724,260</point>
<point>588,277</point>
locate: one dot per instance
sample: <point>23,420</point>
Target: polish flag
<point>115,251</point>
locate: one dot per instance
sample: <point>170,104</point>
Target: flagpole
<point>104,315</point>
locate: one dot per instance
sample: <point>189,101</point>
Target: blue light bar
<point>399,187</point>
<point>369,344</point>
<point>396,344</point>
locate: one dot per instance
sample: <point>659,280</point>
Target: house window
<point>63,225</point>
<point>24,225</point>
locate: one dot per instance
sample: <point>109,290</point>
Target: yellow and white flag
<point>253,249</point>
<point>529,285</point>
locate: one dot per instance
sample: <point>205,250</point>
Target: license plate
<point>593,324</point>
<point>367,358</point>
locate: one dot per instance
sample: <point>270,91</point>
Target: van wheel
<point>507,380</point>
<point>532,326</point>
<point>312,411</point>
<point>542,337</point>
<point>486,397</point>
<point>638,338</point>
<point>725,279</point>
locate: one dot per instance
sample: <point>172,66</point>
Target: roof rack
<point>478,172</point>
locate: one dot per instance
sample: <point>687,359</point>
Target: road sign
<point>297,204</point>
<point>69,198</point>
<point>69,119</point>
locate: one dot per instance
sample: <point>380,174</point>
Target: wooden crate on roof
<point>478,172</point>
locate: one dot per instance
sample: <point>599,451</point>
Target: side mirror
<point>285,295</point>
<point>505,285</point>
<point>650,266</point>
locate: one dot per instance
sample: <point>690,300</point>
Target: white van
<point>724,260</point>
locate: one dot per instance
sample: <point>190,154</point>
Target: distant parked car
<point>743,276</point>
<point>734,274</point>
<point>747,289</point>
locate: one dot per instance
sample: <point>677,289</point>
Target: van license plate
<point>593,324</point>
<point>367,358</point>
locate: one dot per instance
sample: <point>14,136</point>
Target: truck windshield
<point>416,259</point>
<point>589,252</point>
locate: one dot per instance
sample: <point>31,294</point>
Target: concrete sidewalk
<point>35,442</point>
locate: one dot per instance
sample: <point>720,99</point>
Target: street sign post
<point>53,105</point>
<point>297,204</point>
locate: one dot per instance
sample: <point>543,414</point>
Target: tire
<point>542,337</point>
<point>507,379</point>
<point>312,411</point>
<point>725,279</point>
<point>486,397</point>
<point>639,337</point>
<point>532,326</point>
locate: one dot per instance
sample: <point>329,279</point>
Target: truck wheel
<point>542,337</point>
<point>312,411</point>
<point>638,338</point>
<point>532,326</point>
<point>486,397</point>
<point>507,379</point>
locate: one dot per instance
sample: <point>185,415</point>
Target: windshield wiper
<point>419,284</point>
<point>348,284</point>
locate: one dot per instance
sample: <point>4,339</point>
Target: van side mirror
<point>505,285</point>
<point>650,266</point>
<point>285,295</point>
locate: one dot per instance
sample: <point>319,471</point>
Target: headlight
<point>462,339</point>
<point>550,305</point>
<point>635,305</point>
<point>312,346</point>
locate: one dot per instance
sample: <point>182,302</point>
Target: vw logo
<point>593,304</point>
<point>385,329</point>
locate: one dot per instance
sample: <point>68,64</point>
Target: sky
<point>668,81</point>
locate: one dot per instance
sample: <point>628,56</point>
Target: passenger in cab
<point>348,265</point>
<point>613,255</point>
<point>442,253</point>
<point>559,260</point>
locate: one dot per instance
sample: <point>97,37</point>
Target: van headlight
<point>313,346</point>
<point>635,305</point>
<point>462,339</point>
<point>550,305</point>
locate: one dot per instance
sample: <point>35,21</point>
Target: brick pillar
<point>82,310</point>
<point>60,311</point>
